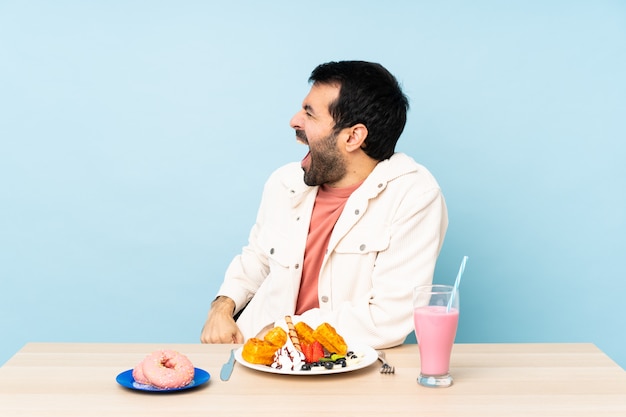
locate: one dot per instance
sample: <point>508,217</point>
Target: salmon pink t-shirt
<point>328,206</point>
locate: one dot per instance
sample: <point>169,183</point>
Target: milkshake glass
<point>436,317</point>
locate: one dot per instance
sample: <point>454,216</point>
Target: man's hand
<point>220,327</point>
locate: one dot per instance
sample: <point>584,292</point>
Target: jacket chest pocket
<point>347,274</point>
<point>364,242</point>
<point>277,251</point>
<point>280,287</point>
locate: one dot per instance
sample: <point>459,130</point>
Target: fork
<point>386,368</point>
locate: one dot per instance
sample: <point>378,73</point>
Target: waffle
<point>305,332</point>
<point>261,352</point>
<point>330,339</point>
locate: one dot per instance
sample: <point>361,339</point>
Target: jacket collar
<point>387,170</point>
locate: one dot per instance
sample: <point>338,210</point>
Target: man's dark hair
<point>371,95</point>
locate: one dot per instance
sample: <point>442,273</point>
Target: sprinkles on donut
<point>164,369</point>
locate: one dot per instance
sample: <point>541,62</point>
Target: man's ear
<point>356,137</point>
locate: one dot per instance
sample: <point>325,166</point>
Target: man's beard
<point>327,165</point>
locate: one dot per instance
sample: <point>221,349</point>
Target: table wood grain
<point>78,379</point>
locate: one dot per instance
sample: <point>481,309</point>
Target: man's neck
<point>359,168</point>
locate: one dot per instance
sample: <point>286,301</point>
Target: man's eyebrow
<point>308,108</point>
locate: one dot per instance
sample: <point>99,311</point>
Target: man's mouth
<point>306,161</point>
<point>301,137</point>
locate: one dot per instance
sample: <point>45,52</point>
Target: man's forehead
<point>320,97</point>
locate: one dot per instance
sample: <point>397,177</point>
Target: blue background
<point>135,137</point>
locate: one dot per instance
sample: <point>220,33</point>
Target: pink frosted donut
<point>138,375</point>
<point>167,369</point>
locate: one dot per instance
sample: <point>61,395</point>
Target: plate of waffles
<point>358,357</point>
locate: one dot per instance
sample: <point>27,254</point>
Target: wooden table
<point>74,379</point>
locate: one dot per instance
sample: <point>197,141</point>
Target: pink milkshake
<point>435,330</point>
<point>436,317</point>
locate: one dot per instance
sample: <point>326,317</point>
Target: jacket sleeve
<point>248,270</point>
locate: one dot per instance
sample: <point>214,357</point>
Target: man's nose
<point>296,121</point>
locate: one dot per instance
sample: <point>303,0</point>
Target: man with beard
<point>346,242</point>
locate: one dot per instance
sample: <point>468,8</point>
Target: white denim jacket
<point>385,243</point>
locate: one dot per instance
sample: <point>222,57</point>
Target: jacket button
<point>296,266</point>
<point>324,299</point>
<point>272,251</point>
<point>356,212</point>
<point>362,247</point>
